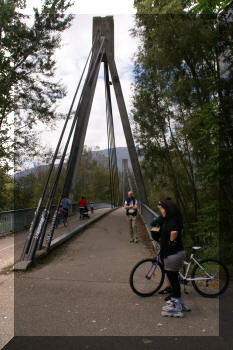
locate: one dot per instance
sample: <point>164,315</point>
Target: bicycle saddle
<point>194,247</point>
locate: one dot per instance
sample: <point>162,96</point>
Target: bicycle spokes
<point>147,277</point>
<point>151,272</point>
<point>208,277</point>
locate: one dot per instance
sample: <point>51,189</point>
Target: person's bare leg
<point>134,226</point>
<point>166,282</point>
<point>130,228</point>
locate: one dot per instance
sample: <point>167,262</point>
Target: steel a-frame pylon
<point>103,51</point>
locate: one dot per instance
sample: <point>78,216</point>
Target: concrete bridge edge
<point>25,264</point>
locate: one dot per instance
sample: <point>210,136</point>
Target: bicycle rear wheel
<point>146,278</point>
<point>211,278</point>
<point>65,221</point>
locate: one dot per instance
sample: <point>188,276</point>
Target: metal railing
<point>147,215</point>
<point>17,220</point>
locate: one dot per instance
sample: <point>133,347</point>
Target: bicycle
<point>209,277</point>
<point>62,217</point>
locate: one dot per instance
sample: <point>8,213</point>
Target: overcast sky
<point>71,57</point>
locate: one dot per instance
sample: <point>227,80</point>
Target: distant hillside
<point>122,153</point>
<point>34,170</point>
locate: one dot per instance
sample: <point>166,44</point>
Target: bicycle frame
<point>202,275</point>
<point>153,267</point>
<point>185,276</point>
<point>62,218</point>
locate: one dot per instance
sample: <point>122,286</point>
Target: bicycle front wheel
<point>211,278</point>
<point>147,277</point>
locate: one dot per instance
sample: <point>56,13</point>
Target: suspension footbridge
<point>82,287</point>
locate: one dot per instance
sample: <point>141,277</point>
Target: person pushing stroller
<point>83,210</point>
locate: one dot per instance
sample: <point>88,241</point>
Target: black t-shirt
<point>166,226</point>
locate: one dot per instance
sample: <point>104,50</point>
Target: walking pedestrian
<point>83,210</point>
<point>92,207</point>
<point>131,213</point>
<point>65,204</point>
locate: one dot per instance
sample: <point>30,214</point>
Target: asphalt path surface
<point>6,308</point>
<point>82,289</point>
<point>11,247</point>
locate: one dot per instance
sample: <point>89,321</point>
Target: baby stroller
<point>83,211</point>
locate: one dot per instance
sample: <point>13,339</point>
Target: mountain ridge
<point>121,152</point>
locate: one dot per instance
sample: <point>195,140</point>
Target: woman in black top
<point>171,252</point>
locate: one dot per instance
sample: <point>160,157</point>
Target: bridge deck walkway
<point>11,245</point>
<point>82,288</point>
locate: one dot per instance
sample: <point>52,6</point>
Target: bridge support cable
<point>45,214</point>
<point>132,182</point>
<point>105,26</point>
<point>81,128</point>
<point>39,205</point>
<point>127,130</point>
<point>86,96</point>
<point>88,86</point>
<point>102,51</point>
<point>113,168</point>
<point>124,178</point>
<point>128,181</point>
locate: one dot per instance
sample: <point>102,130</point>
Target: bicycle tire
<point>226,283</point>
<point>65,222</point>
<point>131,278</point>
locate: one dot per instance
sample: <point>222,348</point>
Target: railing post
<point>147,215</point>
<point>12,222</point>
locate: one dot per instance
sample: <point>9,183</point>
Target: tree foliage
<point>181,110</point>
<point>210,6</point>
<point>28,92</point>
<point>93,182</point>
<point>160,7</point>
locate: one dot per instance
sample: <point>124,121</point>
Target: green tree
<point>27,69</point>
<point>179,102</point>
<point>28,90</point>
<point>159,7</point>
<point>210,6</point>
<point>94,178</point>
<point>6,189</point>
<point>178,6</point>
<point>93,182</point>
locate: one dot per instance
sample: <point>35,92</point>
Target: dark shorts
<point>65,212</point>
<point>173,262</point>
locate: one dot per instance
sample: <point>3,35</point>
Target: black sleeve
<point>157,221</point>
<point>175,226</point>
